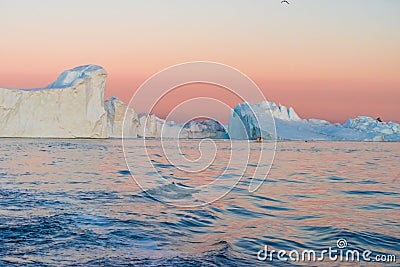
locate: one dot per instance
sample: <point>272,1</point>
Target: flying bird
<point>285,1</point>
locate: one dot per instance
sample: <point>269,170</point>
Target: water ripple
<point>72,203</point>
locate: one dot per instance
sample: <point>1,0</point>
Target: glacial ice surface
<point>248,121</point>
<point>71,107</point>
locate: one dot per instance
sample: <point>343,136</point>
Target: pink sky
<point>330,61</point>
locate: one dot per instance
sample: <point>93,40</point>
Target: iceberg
<point>374,129</point>
<point>70,107</point>
<point>248,121</point>
<point>153,127</point>
<point>117,112</point>
<point>73,106</point>
<point>124,122</point>
<point>207,128</point>
<point>150,126</point>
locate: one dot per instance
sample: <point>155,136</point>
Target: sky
<point>327,59</point>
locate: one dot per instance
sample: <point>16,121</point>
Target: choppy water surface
<point>73,202</point>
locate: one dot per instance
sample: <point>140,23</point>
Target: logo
<point>341,253</point>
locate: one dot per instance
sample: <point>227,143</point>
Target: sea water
<point>75,203</point>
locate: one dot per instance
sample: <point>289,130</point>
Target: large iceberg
<point>71,107</point>
<point>249,121</point>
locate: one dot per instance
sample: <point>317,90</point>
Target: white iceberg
<point>248,121</point>
<point>117,112</point>
<point>374,129</point>
<point>71,107</point>
<point>123,121</point>
<point>154,127</point>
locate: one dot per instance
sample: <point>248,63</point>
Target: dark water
<point>73,203</point>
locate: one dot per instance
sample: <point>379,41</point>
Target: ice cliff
<point>116,112</point>
<point>248,121</point>
<point>204,129</point>
<point>150,126</point>
<point>71,107</point>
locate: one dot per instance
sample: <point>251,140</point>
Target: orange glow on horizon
<point>330,61</point>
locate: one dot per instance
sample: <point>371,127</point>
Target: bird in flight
<point>285,1</point>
